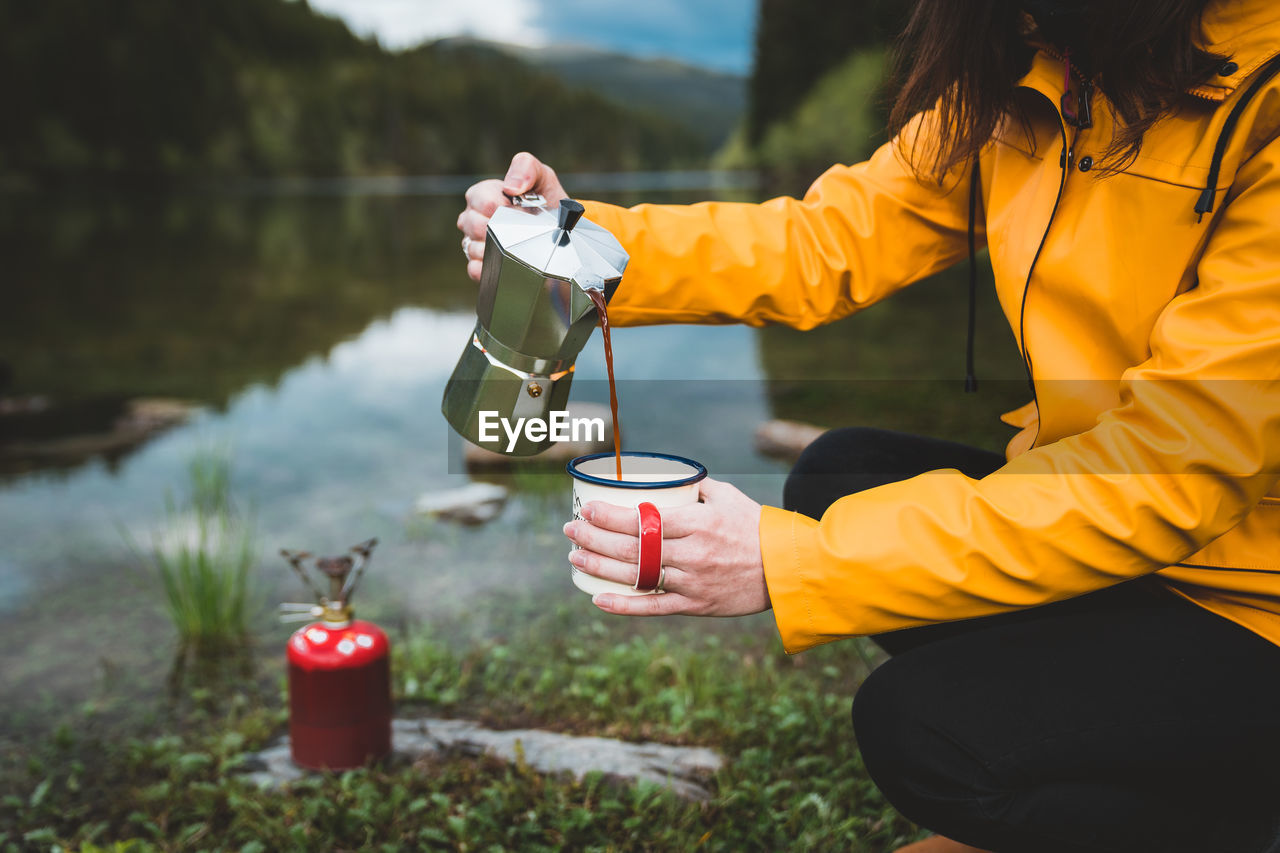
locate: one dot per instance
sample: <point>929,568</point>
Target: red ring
<point>650,569</point>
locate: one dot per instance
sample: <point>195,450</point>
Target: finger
<point>676,521</point>
<point>485,197</point>
<point>605,568</point>
<point>523,174</point>
<point>473,270</point>
<point>619,519</point>
<point>711,490</point>
<point>617,545</point>
<point>475,250</point>
<point>473,224</point>
<point>644,605</point>
<point>548,184</point>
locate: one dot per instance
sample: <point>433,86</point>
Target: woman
<point>1085,632</point>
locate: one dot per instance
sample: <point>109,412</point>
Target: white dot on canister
<point>317,636</point>
<point>346,647</point>
<point>364,641</point>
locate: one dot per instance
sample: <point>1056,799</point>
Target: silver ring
<point>662,580</point>
<point>466,246</point>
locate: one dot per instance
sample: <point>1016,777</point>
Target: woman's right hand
<point>525,175</point>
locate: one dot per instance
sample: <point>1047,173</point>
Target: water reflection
<point>315,336</point>
<point>200,296</point>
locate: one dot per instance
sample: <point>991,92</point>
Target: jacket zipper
<point>1065,160</point>
<point>1026,286</point>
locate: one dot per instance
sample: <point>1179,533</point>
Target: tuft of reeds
<point>204,557</point>
<point>209,478</point>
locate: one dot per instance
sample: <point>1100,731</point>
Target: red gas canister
<point>339,674</point>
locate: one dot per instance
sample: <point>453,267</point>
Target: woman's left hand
<point>711,551</point>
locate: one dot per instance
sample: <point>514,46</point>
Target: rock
<point>272,767</point>
<point>560,452</point>
<point>148,414</point>
<point>44,440</point>
<point>683,769</point>
<point>23,405</point>
<point>680,768</point>
<point>785,439</point>
<point>474,503</point>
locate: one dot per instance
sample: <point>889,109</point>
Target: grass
<point>793,779</point>
<point>168,777</point>
<point>209,475</point>
<point>206,581</point>
<point>204,556</point>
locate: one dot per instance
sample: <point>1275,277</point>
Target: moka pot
<point>533,316</point>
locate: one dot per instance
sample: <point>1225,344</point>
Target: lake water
<point>314,334</point>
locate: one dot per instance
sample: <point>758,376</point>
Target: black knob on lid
<point>570,212</point>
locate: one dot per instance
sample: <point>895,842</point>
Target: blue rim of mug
<point>698,474</point>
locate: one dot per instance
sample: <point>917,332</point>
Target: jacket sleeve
<point>1193,446</point>
<point>860,233</point>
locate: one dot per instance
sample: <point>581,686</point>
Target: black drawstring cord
<point>975,182</point>
<point>1205,203</point>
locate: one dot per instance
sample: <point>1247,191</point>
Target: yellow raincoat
<point>1153,335</point>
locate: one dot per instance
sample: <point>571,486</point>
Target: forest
<point>154,91</point>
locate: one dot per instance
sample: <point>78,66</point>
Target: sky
<point>711,33</point>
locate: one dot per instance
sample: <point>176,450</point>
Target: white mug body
<point>657,478</point>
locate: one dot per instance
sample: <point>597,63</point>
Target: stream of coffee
<point>602,311</point>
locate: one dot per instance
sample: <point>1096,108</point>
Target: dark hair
<point>966,57</point>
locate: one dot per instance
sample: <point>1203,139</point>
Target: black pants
<point>1124,720</point>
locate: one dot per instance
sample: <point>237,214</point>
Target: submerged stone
<point>474,503</point>
<point>785,439</point>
